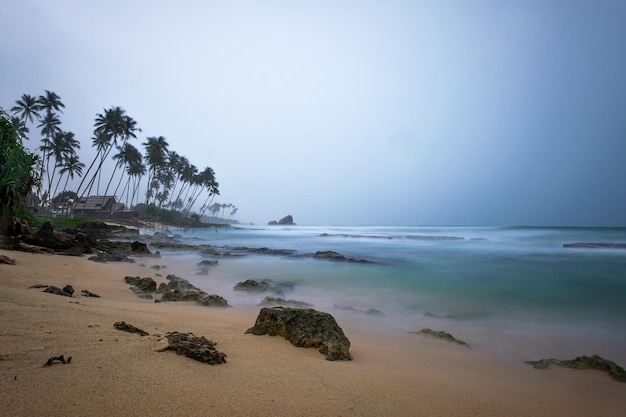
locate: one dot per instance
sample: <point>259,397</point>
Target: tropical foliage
<point>17,175</point>
<point>172,181</point>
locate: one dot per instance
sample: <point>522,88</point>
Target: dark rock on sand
<point>66,291</point>
<point>585,362</point>
<point>442,335</point>
<point>88,293</point>
<point>280,302</point>
<point>125,327</point>
<point>143,287</point>
<point>304,328</point>
<point>179,289</point>
<point>195,347</point>
<point>110,257</point>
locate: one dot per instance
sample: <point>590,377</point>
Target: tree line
<point>172,182</point>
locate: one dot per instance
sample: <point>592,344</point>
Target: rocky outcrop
<point>179,289</point>
<point>442,335</point>
<point>195,347</point>
<point>66,291</point>
<point>143,287</point>
<point>304,328</point>
<point>335,256</point>
<point>265,285</point>
<point>585,362</point>
<point>287,220</point>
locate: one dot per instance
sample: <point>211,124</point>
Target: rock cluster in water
<point>304,328</point>
<point>585,362</point>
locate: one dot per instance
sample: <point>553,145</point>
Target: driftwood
<point>59,358</point>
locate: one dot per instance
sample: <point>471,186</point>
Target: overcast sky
<point>464,112</point>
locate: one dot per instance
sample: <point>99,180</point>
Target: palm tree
<point>50,102</point>
<point>20,128</point>
<point>26,108</point>
<point>156,158</point>
<point>127,155</point>
<point>71,165</point>
<point>62,146</point>
<point>135,170</point>
<point>49,128</point>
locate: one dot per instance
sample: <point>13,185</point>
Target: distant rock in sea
<point>595,245</point>
<point>287,220</point>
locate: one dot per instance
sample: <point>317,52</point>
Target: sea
<point>514,292</point>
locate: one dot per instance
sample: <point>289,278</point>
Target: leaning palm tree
<point>156,158</point>
<point>127,155</point>
<point>62,145</point>
<point>49,128</point>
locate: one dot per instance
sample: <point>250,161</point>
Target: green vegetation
<point>17,174</point>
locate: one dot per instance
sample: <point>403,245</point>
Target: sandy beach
<point>114,373</point>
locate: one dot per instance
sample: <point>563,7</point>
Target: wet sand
<point>118,373</point>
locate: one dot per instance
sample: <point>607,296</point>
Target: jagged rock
<point>46,230</point>
<point>58,291</point>
<point>125,327</point>
<point>179,289</point>
<point>585,362</point>
<point>195,347</point>
<point>280,302</point>
<point>442,335</point>
<point>265,285</point>
<point>6,260</point>
<point>88,293</point>
<point>143,287</point>
<point>139,248</point>
<point>304,328</point>
<point>69,289</point>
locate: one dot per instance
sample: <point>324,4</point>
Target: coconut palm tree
<point>26,108</point>
<point>156,158</point>
<point>20,128</point>
<point>62,146</point>
<point>127,155</point>
<point>50,102</point>
<point>49,128</point>
<point>71,166</point>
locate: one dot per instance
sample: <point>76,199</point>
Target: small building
<point>96,206</point>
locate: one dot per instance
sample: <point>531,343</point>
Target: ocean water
<point>511,290</point>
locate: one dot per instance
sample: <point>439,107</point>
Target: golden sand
<point>114,373</point>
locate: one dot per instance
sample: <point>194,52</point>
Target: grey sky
<point>353,112</point>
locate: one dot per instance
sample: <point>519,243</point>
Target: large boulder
<point>307,328</point>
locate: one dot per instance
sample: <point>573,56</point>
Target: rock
<point>143,287</point>
<point>442,335</point>
<point>58,291</point>
<point>585,362</point>
<point>194,347</point>
<point>46,230</point>
<point>139,248</point>
<point>88,293</point>
<point>287,220</point>
<point>69,289</point>
<point>179,289</point>
<point>207,262</point>
<point>279,302</point>
<point>304,328</point>
<point>110,257</point>
<point>125,327</point>
<point>265,285</point>
<point>335,256</point>
<point>6,260</point>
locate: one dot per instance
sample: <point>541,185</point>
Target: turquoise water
<point>504,279</point>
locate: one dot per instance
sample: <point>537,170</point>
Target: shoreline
<point>116,373</point>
